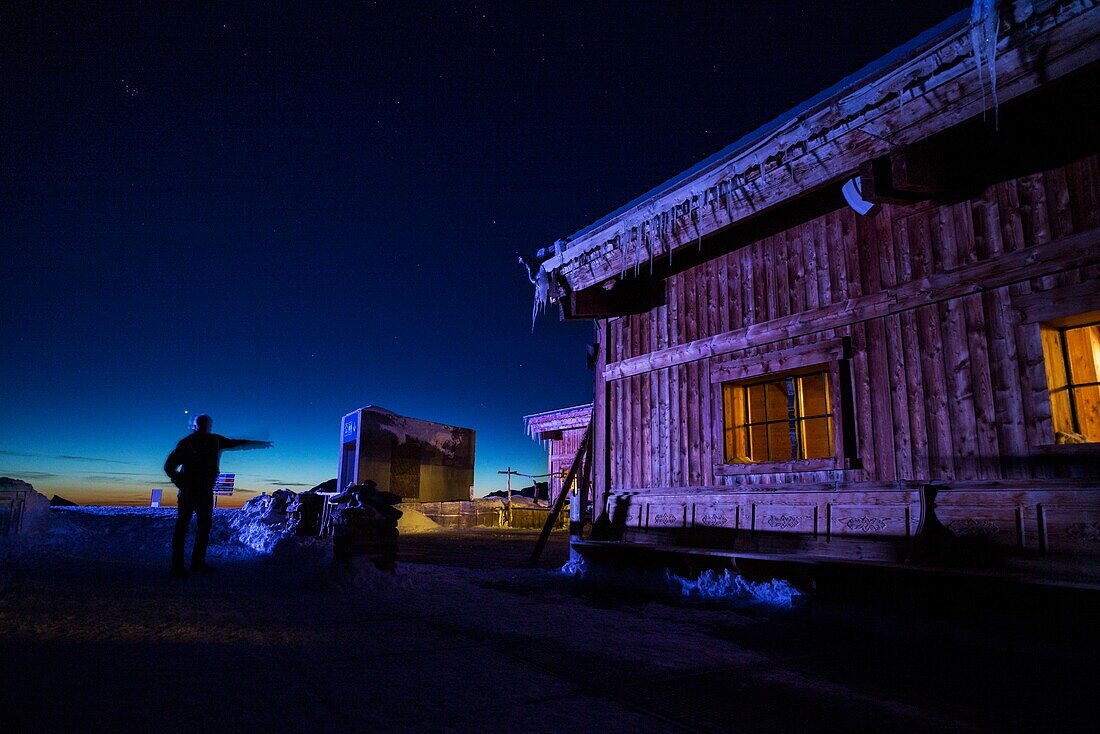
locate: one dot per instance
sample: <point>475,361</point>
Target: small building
<point>877,313</point>
<point>14,496</point>
<point>417,460</point>
<point>560,431</point>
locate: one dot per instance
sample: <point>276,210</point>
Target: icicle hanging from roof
<point>541,280</point>
<point>647,243</point>
<point>985,21</point>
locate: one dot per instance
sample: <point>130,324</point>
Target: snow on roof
<point>854,79</point>
<point>441,436</point>
<point>928,85</point>
<point>576,416</point>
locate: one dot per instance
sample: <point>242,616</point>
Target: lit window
<point>1073,377</point>
<point>782,418</point>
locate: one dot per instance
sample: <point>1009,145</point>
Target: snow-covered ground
<point>95,637</point>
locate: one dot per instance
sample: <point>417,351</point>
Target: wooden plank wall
<point>562,452</point>
<point>950,391</point>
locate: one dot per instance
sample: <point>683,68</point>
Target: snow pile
<point>262,524</point>
<point>42,530</point>
<point>129,533</point>
<point>268,525</point>
<point>414,522</point>
<point>711,587</point>
<point>36,514</point>
<point>139,534</point>
<point>575,568</point>
<point>737,590</point>
<point>34,508</point>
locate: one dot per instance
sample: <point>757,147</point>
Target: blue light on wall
<point>351,427</point>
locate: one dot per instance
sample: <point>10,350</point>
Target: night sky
<point>279,213</point>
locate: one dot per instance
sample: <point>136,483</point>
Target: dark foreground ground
<point>466,639</point>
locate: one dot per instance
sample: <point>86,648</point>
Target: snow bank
<point>41,530</point>
<point>262,524</point>
<point>414,522</point>
<point>575,569</point>
<point>736,589</point>
<point>96,532</point>
<point>137,534</point>
<point>36,514</point>
<point>711,587</point>
<point>262,528</point>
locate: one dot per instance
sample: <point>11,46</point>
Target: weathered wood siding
<point>562,452</point>
<point>950,391</point>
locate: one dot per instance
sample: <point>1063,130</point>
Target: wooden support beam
<point>1079,250</point>
<point>909,173</point>
<point>1079,298</point>
<point>787,359</point>
<point>916,170</point>
<point>613,297</point>
<point>877,187</point>
<point>871,488</point>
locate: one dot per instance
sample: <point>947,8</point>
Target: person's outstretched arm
<point>229,444</point>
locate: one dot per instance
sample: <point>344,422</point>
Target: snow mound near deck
<point>36,514</point>
<point>710,588</point>
<point>126,533</point>
<point>413,522</point>
<point>259,526</point>
<point>138,534</point>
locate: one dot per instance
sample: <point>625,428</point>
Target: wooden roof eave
<point>577,416</point>
<point>923,94</point>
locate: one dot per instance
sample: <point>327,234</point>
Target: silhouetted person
<point>193,467</point>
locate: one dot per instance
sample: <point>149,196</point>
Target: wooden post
<point>584,484</point>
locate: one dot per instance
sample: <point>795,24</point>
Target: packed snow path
<point>466,640</point>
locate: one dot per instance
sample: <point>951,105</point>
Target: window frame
<point>1065,306</point>
<point>832,357</point>
<point>1065,368</point>
<point>792,419</point>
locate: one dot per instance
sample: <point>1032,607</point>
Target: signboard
<point>350,431</point>
<point>224,485</point>
<point>154,497</point>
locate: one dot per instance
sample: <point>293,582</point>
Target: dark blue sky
<point>277,214</point>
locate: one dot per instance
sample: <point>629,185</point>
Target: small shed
<point>13,502</point>
<point>418,460</point>
<point>561,432</point>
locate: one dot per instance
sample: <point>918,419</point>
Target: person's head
<point>203,423</point>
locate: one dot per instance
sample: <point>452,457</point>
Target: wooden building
<point>561,432</point>
<point>14,497</point>
<point>779,374</point>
